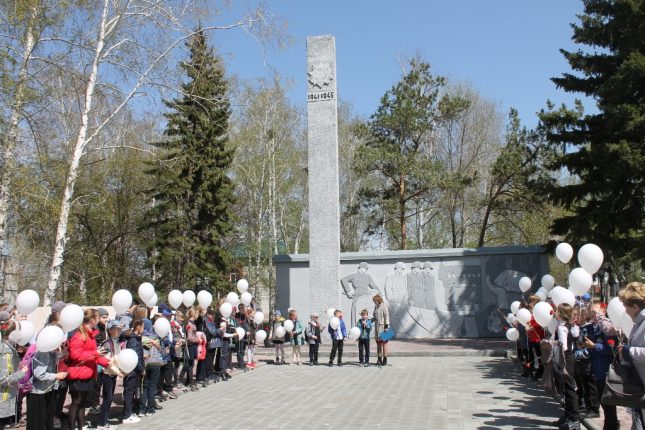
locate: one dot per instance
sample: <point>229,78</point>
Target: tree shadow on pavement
<point>533,409</point>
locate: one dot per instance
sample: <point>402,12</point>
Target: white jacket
<point>637,344</point>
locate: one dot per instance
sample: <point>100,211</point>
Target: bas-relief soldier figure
<point>357,285</point>
<point>428,286</point>
<point>396,285</point>
<point>416,297</point>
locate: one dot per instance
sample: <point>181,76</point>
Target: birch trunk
<point>10,142</point>
<point>72,174</point>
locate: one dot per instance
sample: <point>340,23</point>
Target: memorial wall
<point>444,293</point>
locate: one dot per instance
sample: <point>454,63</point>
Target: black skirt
<point>81,384</point>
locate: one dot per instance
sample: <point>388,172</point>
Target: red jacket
<point>535,333</point>
<point>83,356</point>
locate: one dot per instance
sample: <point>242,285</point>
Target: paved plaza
<point>413,393</point>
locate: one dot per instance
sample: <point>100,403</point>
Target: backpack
<point>26,383</point>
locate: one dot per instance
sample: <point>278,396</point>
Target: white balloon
<point>575,331</point>
<point>543,313</point>
<point>355,332</point>
<point>27,302</point>
<point>567,297</point>
<point>525,283</point>
<point>626,324</point>
<point>152,302</point>
<point>246,298</point>
<point>553,325</point>
<point>258,318</point>
<point>127,360</point>
<point>548,282</point>
<point>557,294</point>
<point>233,298</point>
<point>226,309</point>
<point>175,298</point>
<point>162,327</point>
<point>330,313</point>
<point>146,291</point>
<point>188,298</point>
<point>204,298</point>
<point>14,337</point>
<point>511,319</point>
<point>512,334</point>
<point>523,316</point>
<point>590,257</point>
<point>580,281</point>
<point>280,331</point>
<point>27,331</point>
<point>49,338</point>
<point>542,293</point>
<point>515,306</point>
<point>242,286</point>
<point>564,252</point>
<point>615,311</point>
<point>71,317</point>
<point>240,333</point>
<point>260,336</point>
<point>121,301</point>
<point>288,325</point>
<point>334,323</point>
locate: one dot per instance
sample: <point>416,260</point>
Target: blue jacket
<point>602,355</point>
<point>133,341</point>
<point>333,332</point>
<point>365,329</point>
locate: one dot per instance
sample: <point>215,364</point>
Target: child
<point>10,372</point>
<point>41,400</point>
<point>107,376</point>
<point>571,419</point>
<point>278,341</point>
<point>337,337</point>
<point>241,321</point>
<point>132,341</point>
<point>154,361</point>
<point>313,338</point>
<point>364,339</point>
<point>253,327</point>
<point>295,337</point>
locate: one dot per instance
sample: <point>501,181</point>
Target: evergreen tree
<point>191,217</point>
<point>604,152</point>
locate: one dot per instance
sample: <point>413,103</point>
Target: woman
<point>633,297</point>
<point>10,372</point>
<point>381,321</point>
<point>191,349</point>
<point>82,370</point>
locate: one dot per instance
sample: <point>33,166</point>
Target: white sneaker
<point>57,423</point>
<point>131,420</point>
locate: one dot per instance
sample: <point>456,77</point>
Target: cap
<point>363,265</point>
<point>314,315</point>
<point>427,265</point>
<point>278,313</point>
<point>166,312</point>
<point>58,306</point>
<point>162,308</point>
<point>417,265</point>
<point>113,323</point>
<point>399,265</point>
<point>102,312</point>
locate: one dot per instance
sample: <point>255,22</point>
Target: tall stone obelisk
<point>322,137</point>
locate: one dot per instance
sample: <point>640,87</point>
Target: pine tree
<point>604,152</point>
<point>191,217</point>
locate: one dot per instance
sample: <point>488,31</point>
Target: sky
<point>506,49</point>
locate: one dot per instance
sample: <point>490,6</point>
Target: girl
<point>191,349</point>
<point>131,381</point>
<point>41,400</point>
<point>571,419</point>
<point>295,337</point>
<point>381,319</point>
<point>180,346</point>
<point>278,341</point>
<point>82,361</point>
<point>253,327</point>
<point>10,372</point>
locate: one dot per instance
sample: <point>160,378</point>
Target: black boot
<point>379,362</point>
<point>384,361</point>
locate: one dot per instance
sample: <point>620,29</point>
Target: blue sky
<point>506,49</point>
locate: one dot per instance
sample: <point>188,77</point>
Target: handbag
<point>623,387</point>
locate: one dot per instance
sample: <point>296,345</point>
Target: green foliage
<point>399,149</point>
<point>604,152</point>
<point>193,201</point>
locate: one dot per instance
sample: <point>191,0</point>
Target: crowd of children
<point>576,356</point>
<point>198,350</point>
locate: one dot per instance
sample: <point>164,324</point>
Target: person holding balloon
<point>10,372</point>
<point>131,381</point>
<point>108,376</point>
<point>338,333</point>
<point>191,349</point>
<point>535,334</point>
<point>381,320</point>
<point>253,328</point>
<point>295,330</point>
<point>277,336</point>
<point>82,365</point>
<point>571,419</point>
<point>633,351</point>
<point>313,338</point>
<point>242,321</point>
<point>41,400</point>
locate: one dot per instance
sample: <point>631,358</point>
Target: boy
<point>364,339</point>
<point>337,337</point>
<point>313,339</point>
